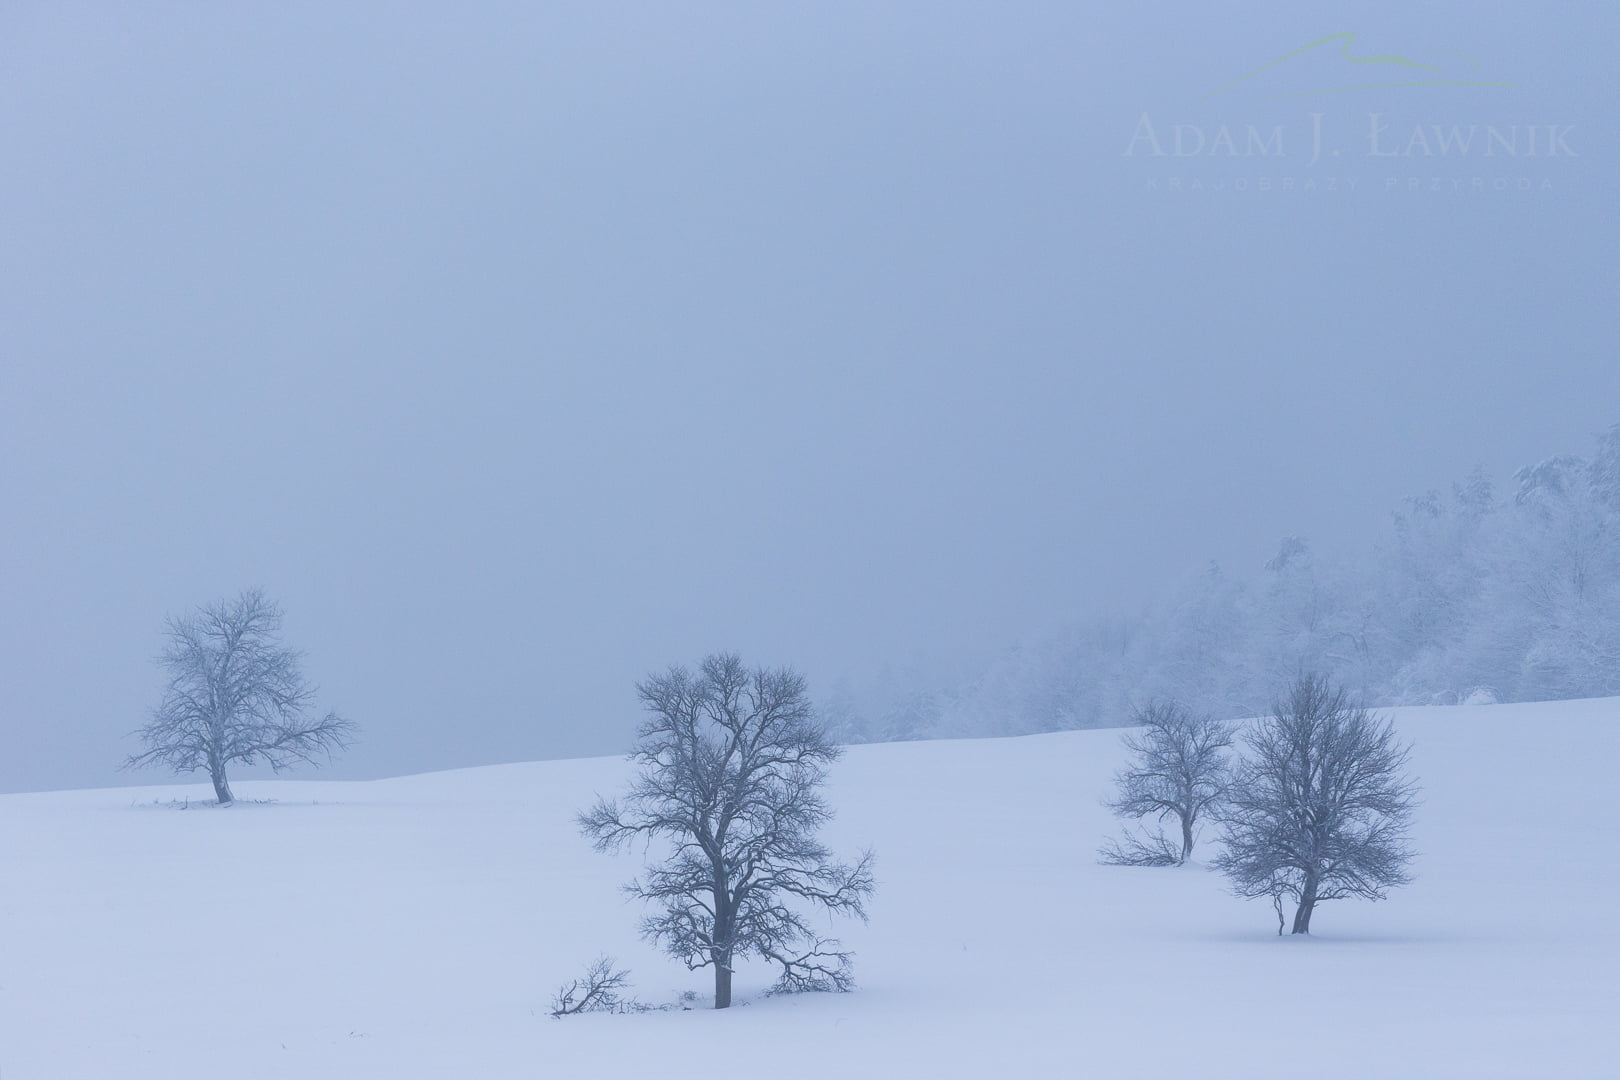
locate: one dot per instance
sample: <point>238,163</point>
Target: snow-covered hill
<point>416,927</point>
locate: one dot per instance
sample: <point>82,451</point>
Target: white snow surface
<point>416,927</point>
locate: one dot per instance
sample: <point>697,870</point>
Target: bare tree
<point>600,989</point>
<point>732,762</point>
<point>235,694</point>
<point>1178,770</point>
<point>1319,809</point>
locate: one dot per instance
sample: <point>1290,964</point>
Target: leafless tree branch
<point>600,989</point>
<point>1144,849</point>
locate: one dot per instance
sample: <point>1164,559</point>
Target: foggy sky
<point>521,350</point>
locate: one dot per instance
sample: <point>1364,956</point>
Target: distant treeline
<point>1475,595</point>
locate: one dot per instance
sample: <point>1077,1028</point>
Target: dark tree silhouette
<point>732,762</point>
<point>1319,808</point>
<point>1178,769</point>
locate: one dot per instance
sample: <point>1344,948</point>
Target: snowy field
<point>417,927</point>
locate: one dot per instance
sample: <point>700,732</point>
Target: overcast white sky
<point>519,350</point>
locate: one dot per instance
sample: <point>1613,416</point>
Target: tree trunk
<point>1307,903</point>
<point>222,787</point>
<point>1186,839</point>
<point>722,979</point>
<point>723,942</point>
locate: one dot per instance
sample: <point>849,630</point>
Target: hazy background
<point>522,349</point>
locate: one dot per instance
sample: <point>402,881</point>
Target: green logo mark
<point>1391,61</point>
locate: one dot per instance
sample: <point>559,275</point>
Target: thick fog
<point>521,350</point>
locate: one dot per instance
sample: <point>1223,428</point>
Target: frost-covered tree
<point>235,694</point>
<point>1604,470</point>
<point>1430,589</point>
<point>1560,581</point>
<point>1201,646</point>
<point>1318,809</point>
<point>1177,771</point>
<point>913,716</point>
<point>1308,618</point>
<point>732,764</point>
<point>1469,598</point>
<point>842,716</point>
